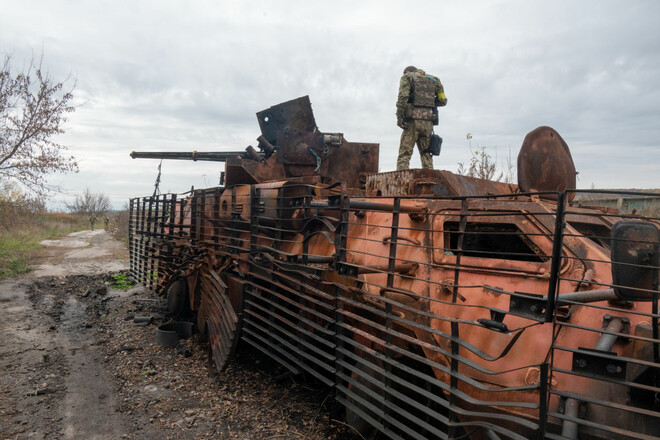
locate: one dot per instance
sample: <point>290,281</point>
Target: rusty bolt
<point>613,369</point>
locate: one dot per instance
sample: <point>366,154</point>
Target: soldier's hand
<point>401,123</point>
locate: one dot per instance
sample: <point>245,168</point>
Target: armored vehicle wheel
<point>177,298</point>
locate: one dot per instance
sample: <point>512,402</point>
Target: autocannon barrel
<point>211,156</point>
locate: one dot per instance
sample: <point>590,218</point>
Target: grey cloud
<point>158,75</point>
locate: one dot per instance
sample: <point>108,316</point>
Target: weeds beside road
<point>24,223</point>
<point>20,237</point>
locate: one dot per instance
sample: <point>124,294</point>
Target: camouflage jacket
<point>404,108</point>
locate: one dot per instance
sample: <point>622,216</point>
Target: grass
<point>14,250</point>
<point>19,240</point>
<point>121,281</point>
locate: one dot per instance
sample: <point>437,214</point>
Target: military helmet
<point>409,69</point>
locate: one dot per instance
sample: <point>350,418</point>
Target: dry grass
<point>21,231</point>
<point>120,222</point>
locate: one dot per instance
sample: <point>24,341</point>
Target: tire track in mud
<point>57,386</point>
<point>90,405</point>
<point>52,382</point>
<point>33,368</point>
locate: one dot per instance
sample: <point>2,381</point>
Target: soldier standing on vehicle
<point>92,220</point>
<point>416,113</point>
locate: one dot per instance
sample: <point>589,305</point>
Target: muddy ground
<point>75,365</point>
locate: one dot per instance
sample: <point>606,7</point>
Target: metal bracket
<point>592,363</point>
<point>625,324</point>
<point>528,306</point>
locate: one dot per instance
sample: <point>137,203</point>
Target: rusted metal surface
<point>294,117</point>
<point>440,326</point>
<point>419,182</point>
<point>545,162</point>
<point>217,316</point>
<point>454,314</point>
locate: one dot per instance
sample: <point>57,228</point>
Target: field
<point>22,230</point>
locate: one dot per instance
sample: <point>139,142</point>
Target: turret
<point>290,147</point>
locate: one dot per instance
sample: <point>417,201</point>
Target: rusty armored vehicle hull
<point>436,305</point>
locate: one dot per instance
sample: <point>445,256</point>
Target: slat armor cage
<point>431,317</point>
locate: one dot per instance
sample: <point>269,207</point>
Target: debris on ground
<point>160,393</point>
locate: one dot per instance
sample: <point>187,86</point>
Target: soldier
<point>416,113</point>
<point>92,220</point>
<point>106,222</point>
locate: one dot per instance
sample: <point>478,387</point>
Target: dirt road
<point>74,365</point>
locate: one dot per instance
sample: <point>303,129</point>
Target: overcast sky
<point>180,76</point>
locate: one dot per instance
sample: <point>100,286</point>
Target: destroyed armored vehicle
<point>435,305</point>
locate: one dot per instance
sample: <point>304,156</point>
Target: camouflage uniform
<point>92,220</point>
<point>419,94</point>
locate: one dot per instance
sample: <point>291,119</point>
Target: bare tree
<point>16,206</point>
<point>33,109</point>
<point>89,203</point>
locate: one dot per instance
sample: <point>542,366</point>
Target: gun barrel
<point>211,156</point>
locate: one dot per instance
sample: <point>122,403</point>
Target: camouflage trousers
<point>418,131</point>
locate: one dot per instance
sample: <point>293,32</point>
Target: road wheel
<point>178,303</point>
